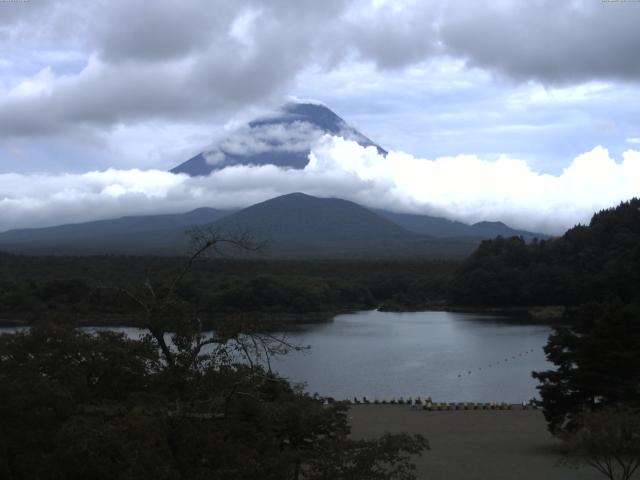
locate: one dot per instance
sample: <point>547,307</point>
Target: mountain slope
<point>136,234</point>
<point>302,226</point>
<point>294,226</point>
<point>297,220</point>
<point>443,228</point>
<point>283,140</point>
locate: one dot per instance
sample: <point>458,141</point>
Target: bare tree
<point>180,336</point>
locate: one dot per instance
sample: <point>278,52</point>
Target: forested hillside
<point>599,261</point>
<point>90,289</point>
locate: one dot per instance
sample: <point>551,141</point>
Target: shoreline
<point>536,315</point>
<point>130,320</point>
<point>532,314</point>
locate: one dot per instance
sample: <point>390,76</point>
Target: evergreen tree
<point>597,363</point>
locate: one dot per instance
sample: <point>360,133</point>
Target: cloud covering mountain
<point>497,100</point>
<point>284,138</point>
<point>170,59</point>
<point>465,188</point>
<point>92,85</point>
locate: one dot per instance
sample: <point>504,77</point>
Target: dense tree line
<point>89,289</point>
<point>593,269</point>
<point>600,261</point>
<point>596,379</point>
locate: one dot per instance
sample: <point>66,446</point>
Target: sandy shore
<point>473,444</point>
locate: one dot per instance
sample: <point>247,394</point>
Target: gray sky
<point>134,84</point>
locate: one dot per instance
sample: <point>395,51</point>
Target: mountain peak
<point>283,139</point>
<point>299,224</point>
<point>295,195</point>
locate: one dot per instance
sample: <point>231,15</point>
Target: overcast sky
<point>135,87</point>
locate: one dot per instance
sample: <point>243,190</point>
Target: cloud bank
<point>465,188</point>
<point>296,136</point>
<point>134,83</point>
<point>278,133</point>
<point>168,59</point>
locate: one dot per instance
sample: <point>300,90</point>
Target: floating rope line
<point>499,362</point>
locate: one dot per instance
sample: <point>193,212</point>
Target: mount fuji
<point>283,139</point>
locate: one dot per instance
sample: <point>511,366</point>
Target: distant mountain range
<point>443,228</point>
<point>284,140</point>
<point>293,226</point>
<point>156,234</point>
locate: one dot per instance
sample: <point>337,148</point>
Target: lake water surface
<point>449,356</point>
<point>459,357</point>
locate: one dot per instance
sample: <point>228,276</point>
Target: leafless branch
<point>203,240</point>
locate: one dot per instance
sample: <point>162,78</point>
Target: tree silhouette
<point>179,403</point>
<point>597,362</point>
<point>607,440</point>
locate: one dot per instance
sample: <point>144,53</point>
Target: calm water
<point>449,356</point>
<point>382,354</point>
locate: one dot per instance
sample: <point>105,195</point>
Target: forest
<point>90,289</point>
<point>169,405</point>
<point>599,261</point>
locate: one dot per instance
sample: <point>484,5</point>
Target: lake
<point>461,357</point>
<point>450,356</point>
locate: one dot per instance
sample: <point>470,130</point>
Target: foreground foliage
<point>178,403</point>
<point>77,406</point>
<point>597,364</point>
<point>607,440</point>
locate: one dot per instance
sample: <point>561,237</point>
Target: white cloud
<point>465,188</point>
<point>214,157</point>
<point>297,136</point>
<point>633,140</point>
<point>127,62</point>
<point>471,189</point>
<point>73,69</point>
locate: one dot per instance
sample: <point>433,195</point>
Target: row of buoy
<point>499,362</point>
